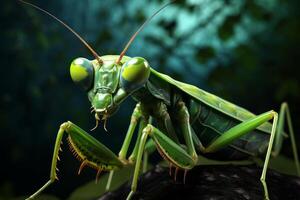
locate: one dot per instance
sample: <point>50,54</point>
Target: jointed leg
<point>269,150</point>
<point>284,112</point>
<point>135,118</point>
<point>170,150</point>
<point>142,125</point>
<point>55,157</point>
<point>89,150</point>
<point>244,128</point>
<point>183,118</point>
<point>150,147</point>
<point>162,117</point>
<point>138,162</point>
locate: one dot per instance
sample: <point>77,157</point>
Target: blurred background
<point>245,51</point>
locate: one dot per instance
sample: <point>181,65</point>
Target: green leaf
<point>92,190</point>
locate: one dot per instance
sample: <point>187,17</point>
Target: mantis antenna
<point>68,27</point>
<point>139,30</point>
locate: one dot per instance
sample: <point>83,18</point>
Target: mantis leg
<point>142,125</point>
<point>244,128</point>
<point>86,148</point>
<point>164,119</point>
<point>170,150</point>
<point>183,118</point>
<point>148,147</point>
<point>135,117</point>
<point>55,157</point>
<point>284,112</point>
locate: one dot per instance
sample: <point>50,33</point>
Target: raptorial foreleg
<point>89,150</point>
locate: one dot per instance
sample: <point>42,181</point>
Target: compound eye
<point>134,74</point>
<point>82,73</point>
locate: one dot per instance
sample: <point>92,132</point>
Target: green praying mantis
<point>178,120</point>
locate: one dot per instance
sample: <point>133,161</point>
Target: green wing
<point>213,101</point>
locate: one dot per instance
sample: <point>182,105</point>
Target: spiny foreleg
<point>86,148</point>
<point>170,150</point>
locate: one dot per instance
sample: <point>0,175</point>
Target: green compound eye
<point>82,72</point>
<point>135,73</point>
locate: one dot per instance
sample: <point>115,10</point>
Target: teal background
<point>244,51</point>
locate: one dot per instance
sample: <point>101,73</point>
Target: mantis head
<point>109,83</point>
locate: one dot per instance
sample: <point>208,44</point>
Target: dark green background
<point>244,51</point>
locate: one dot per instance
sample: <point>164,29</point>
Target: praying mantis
<point>178,120</point>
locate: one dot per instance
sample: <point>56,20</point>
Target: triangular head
<point>109,83</point>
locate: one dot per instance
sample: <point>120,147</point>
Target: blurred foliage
<point>245,51</point>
